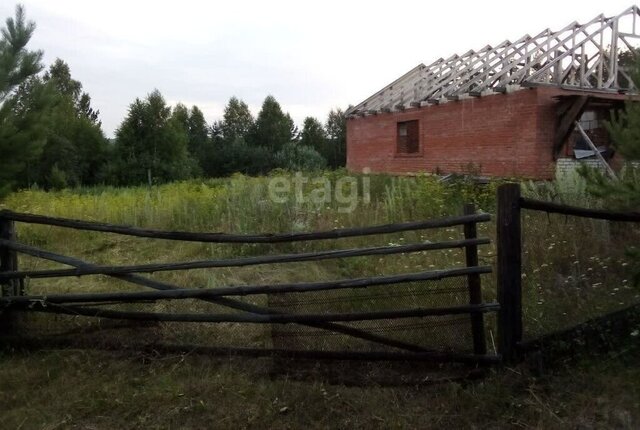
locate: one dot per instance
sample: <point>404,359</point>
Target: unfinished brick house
<point>526,108</point>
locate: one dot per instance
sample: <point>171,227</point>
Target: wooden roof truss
<point>579,56</point>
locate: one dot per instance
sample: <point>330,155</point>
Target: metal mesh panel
<point>438,333</point>
<point>574,269</point>
<point>441,333</point>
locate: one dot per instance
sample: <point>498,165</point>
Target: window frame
<point>418,135</point>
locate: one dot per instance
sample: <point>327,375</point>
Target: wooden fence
<point>14,299</point>
<point>509,241</point>
<point>509,275</point>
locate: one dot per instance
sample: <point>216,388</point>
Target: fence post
<point>8,262</point>
<point>509,271</point>
<point>475,286</point>
<point>8,259</point>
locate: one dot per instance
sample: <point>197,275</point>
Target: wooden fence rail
<point>84,303</point>
<point>509,243</point>
<point>245,290</point>
<point>236,262</point>
<point>557,208</point>
<point>243,238</point>
<point>267,318</point>
<point>509,274</point>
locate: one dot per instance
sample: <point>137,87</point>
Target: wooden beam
<point>474,283</point>
<point>244,290</point>
<point>8,258</point>
<point>235,262</point>
<point>549,207</point>
<point>224,301</point>
<point>265,318</point>
<point>241,238</point>
<point>595,149</point>
<point>509,271</point>
<point>566,122</point>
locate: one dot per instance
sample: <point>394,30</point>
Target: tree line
<point>51,136</point>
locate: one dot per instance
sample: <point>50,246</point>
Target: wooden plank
<point>8,263</point>
<point>595,149</point>
<point>509,271</point>
<point>241,238</point>
<point>563,106</point>
<point>549,207</point>
<point>475,287</point>
<point>566,122</point>
<point>8,259</point>
<point>241,262</point>
<point>244,290</point>
<point>223,301</point>
<point>44,306</point>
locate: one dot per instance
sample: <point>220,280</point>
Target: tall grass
<point>573,269</point>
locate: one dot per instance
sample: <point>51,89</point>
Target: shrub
<point>294,156</point>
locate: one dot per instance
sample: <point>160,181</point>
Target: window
<point>592,122</point>
<point>408,137</point>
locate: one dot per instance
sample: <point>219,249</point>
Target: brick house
<point>525,108</point>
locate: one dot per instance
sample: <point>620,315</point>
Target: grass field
<point>94,390</point>
<point>573,270</point>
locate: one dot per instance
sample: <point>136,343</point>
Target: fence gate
<point>412,314</point>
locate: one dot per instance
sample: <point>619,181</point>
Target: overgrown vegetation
<point>566,282</point>
<point>51,139</point>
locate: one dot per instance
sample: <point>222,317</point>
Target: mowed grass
<point>573,270</point>
<point>97,390</point>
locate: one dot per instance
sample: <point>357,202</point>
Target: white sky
<point>312,56</point>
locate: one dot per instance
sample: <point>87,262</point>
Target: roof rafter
<point>578,56</point>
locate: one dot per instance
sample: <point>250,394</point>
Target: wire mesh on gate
<point>574,269</point>
<point>451,332</point>
<point>426,333</point>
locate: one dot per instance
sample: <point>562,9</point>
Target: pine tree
<point>22,117</point>
<point>76,150</point>
<point>624,129</point>
<point>313,134</point>
<point>336,127</point>
<point>273,128</point>
<point>151,143</point>
<point>622,193</point>
<point>198,134</point>
<point>236,121</point>
<point>16,63</point>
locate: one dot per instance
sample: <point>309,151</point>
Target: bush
<point>224,159</point>
<point>299,157</point>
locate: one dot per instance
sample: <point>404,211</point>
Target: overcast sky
<point>312,56</point>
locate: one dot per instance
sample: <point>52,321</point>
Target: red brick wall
<point>497,135</point>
